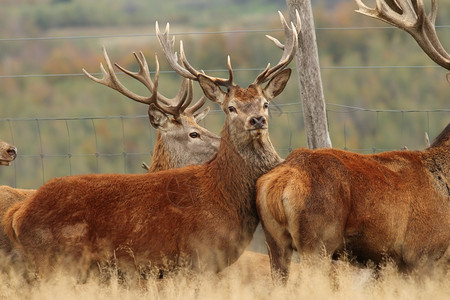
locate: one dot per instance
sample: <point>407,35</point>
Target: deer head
<point>8,153</point>
<point>181,141</point>
<point>410,16</point>
<point>246,108</point>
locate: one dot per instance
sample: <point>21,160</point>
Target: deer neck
<point>437,160</point>
<point>236,169</point>
<point>439,152</point>
<point>161,159</point>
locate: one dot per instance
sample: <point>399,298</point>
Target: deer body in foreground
<point>180,141</point>
<point>394,204</point>
<point>203,215</point>
<point>7,153</point>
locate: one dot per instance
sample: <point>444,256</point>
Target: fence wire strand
<point>289,110</point>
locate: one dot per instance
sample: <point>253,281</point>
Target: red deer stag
<point>173,145</point>
<point>8,195</point>
<point>393,204</point>
<point>181,141</point>
<point>8,153</point>
<point>201,215</point>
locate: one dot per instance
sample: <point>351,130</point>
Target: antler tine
<point>410,16</point>
<point>171,55</point>
<point>110,80</point>
<point>183,101</point>
<point>143,76</point>
<point>289,49</point>
<point>174,106</point>
<point>190,111</point>
<point>185,69</point>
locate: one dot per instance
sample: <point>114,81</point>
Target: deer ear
<point>202,114</point>
<point>158,119</point>
<point>277,84</point>
<point>211,89</point>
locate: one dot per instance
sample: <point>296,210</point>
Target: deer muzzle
<point>258,122</point>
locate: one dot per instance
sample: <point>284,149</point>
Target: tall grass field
<point>318,279</point>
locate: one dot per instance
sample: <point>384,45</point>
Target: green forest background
<point>382,92</point>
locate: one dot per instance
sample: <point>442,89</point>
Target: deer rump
<point>393,204</point>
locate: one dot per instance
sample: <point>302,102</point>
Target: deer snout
<point>257,122</point>
<point>12,152</point>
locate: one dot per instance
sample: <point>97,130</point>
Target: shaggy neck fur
<point>160,159</point>
<point>238,168</point>
<point>437,160</point>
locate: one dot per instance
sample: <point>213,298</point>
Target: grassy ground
<point>310,280</point>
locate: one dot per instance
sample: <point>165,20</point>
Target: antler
<point>410,16</point>
<point>174,106</point>
<point>183,67</point>
<point>289,49</point>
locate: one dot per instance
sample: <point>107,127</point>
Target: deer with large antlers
<point>394,204</point>
<point>203,215</point>
<point>181,141</point>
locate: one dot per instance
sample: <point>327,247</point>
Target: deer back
<point>393,204</point>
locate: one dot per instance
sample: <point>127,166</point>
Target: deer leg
<point>280,254</point>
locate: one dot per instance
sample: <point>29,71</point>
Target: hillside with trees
<point>382,91</point>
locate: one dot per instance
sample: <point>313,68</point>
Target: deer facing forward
<point>203,215</point>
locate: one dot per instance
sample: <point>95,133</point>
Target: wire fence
<point>120,143</point>
<point>107,144</point>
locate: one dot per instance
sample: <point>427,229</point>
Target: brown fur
<point>393,204</point>
<point>173,149</point>
<point>8,197</point>
<point>204,215</point>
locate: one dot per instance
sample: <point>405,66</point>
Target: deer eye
<point>194,135</point>
<point>266,105</point>
<point>231,109</point>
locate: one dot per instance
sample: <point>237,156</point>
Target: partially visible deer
<point>7,153</point>
<point>181,141</point>
<point>200,215</point>
<point>410,15</point>
<point>393,204</point>
<point>8,197</point>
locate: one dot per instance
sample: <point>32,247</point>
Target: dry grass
<point>310,280</point>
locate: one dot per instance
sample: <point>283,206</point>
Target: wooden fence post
<point>310,82</point>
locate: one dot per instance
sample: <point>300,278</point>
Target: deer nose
<point>12,152</point>
<point>257,122</point>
